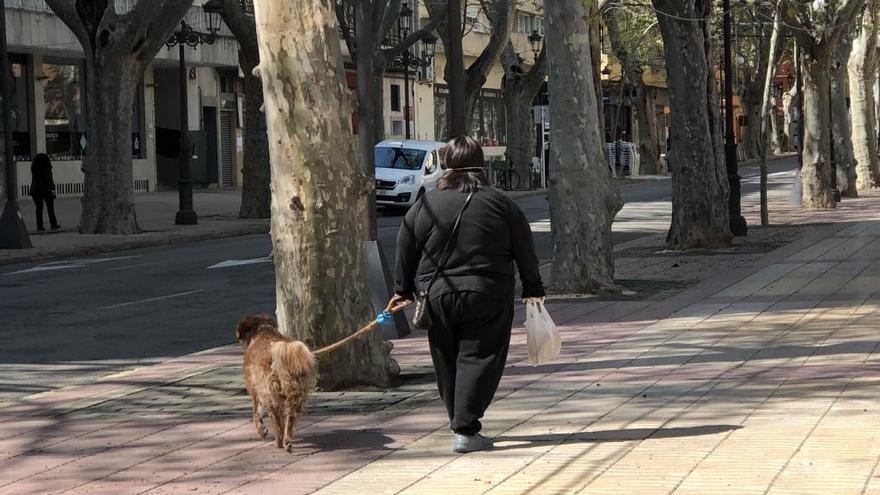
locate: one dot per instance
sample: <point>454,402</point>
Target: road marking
<point>136,265</point>
<point>231,263</point>
<point>65,265</point>
<point>152,299</point>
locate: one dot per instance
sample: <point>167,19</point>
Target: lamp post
<point>13,234</point>
<point>536,41</point>
<point>187,36</point>
<point>407,60</point>
<point>738,224</point>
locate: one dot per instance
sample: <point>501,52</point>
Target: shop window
<point>65,119</point>
<point>441,124</point>
<point>487,124</point>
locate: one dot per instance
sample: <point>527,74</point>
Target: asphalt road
<point>70,320</point>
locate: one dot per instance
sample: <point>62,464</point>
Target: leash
<point>380,319</point>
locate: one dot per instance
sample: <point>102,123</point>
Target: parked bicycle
<point>503,176</point>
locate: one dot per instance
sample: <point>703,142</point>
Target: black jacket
<point>493,235</point>
<point>42,184</point>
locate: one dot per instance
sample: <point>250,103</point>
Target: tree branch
<point>386,17</point>
<point>501,27</point>
<point>66,11</point>
<point>151,23</point>
<point>347,34</point>
<point>410,40</point>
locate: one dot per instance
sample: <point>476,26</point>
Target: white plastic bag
<point>543,338</point>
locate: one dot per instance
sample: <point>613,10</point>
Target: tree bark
<point>318,194</point>
<point>751,132</point>
<point>843,145</point>
<point>816,173</point>
<point>117,49</point>
<point>646,119</point>
<point>583,196</point>
<point>862,68</point>
<point>765,115</point>
<point>818,44</point>
<point>108,191</point>
<point>518,91</point>
<point>255,194</point>
<point>700,215</point>
<point>776,138</point>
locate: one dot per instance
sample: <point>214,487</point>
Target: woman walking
<point>43,190</point>
<point>471,299</point>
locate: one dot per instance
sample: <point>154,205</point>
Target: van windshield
<point>400,158</point>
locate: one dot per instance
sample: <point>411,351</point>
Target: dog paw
<point>263,432</point>
<point>288,446</point>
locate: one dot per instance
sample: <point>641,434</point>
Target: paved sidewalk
<point>752,370</point>
<point>218,218</point>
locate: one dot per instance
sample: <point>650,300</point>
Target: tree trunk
<point>583,196</point>
<point>518,92</point>
<point>700,215</point>
<point>843,145</point>
<point>751,132</point>
<point>318,194</point>
<point>776,139</point>
<point>520,128</point>
<point>765,115</point>
<point>817,45</point>
<point>255,193</point>
<point>117,49</point>
<point>108,194</point>
<point>816,173</point>
<point>862,68</point>
<point>646,118</point>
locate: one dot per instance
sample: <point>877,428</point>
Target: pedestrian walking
<point>461,243</point>
<point>43,190</point>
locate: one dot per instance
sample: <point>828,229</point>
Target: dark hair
<point>463,157</point>
<point>41,162</point>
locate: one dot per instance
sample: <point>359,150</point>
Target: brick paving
<point>746,371</point>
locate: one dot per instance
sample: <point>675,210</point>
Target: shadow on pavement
<point>626,435</point>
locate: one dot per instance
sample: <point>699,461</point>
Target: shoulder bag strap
<point>447,252</point>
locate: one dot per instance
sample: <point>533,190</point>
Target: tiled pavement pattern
<point>761,379</point>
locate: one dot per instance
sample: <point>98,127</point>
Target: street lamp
<point>407,60</point>
<point>13,234</point>
<point>187,36</point>
<point>535,40</point>
<point>738,224</point>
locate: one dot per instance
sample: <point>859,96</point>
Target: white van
<point>405,170</point>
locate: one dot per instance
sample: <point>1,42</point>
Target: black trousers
<point>469,340</point>
<point>50,207</point>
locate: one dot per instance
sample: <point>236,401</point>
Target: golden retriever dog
<point>279,373</point>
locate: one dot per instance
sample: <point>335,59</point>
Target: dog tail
<point>294,365</point>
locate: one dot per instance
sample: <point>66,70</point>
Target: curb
<point>128,243</point>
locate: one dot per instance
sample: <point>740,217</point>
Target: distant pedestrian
<point>43,190</point>
<point>471,302</point>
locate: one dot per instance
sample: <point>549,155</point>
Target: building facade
<point>49,104</point>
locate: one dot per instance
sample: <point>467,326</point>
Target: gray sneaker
<point>471,443</point>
